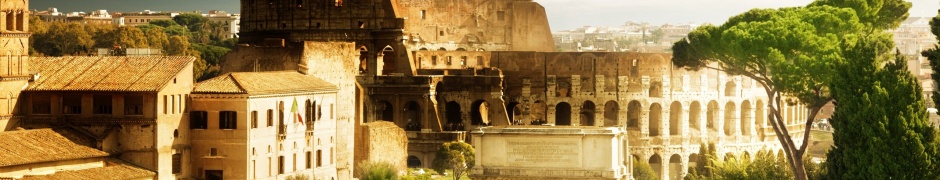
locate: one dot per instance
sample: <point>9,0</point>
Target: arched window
<point>563,114</point>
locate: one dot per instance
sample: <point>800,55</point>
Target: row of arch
<point>717,118</point>
<point>674,168</point>
<point>413,115</point>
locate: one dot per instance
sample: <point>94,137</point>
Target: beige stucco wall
<point>252,153</point>
<point>538,152</point>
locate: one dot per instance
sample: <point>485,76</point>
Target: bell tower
<point>14,59</point>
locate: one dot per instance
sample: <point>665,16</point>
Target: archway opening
<point>514,111</point>
<point>730,89</point>
<point>587,114</point>
<point>711,119</point>
<point>452,113</point>
<point>414,162</point>
<point>656,120</point>
<point>386,112</point>
<point>611,113</point>
<point>388,60</point>
<point>695,120</point>
<point>745,116</point>
<point>412,116</point>
<point>563,114</point>
<point>675,167</point>
<point>363,60</point>
<point>759,119</point>
<point>729,118</point>
<point>479,113</point>
<point>675,114</point>
<point>656,89</point>
<point>729,156</point>
<point>656,162</point>
<point>633,114</point>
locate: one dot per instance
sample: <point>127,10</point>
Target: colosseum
<point>440,69</point>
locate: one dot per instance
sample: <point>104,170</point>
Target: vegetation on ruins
<point>371,170</point>
<point>792,53</point>
<point>643,171</point>
<point>765,165</point>
<point>455,156</point>
<point>185,35</point>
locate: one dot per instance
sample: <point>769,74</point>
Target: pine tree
<point>880,122</point>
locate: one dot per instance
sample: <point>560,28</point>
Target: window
<point>172,104</point>
<point>72,104</point>
<point>213,152</point>
<point>308,162</point>
<point>500,15</point>
<point>310,111</point>
<point>434,60</point>
<point>133,105</point>
<point>480,60</point>
<point>102,104</point>
<point>270,117</point>
<point>463,60</point>
<point>42,104</point>
<point>319,158</point>
<point>423,14</point>
<point>331,155</point>
<point>177,163</point>
<point>254,119</point>
<point>197,120</point>
<point>165,99</point>
<point>227,120</point>
<point>280,165</point>
<point>294,162</point>
<point>331,111</point>
<point>449,60</point>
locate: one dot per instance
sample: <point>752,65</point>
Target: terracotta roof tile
<point>41,145</point>
<point>106,73</point>
<point>114,169</point>
<point>263,83</point>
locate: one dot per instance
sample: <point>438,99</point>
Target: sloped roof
<point>40,145</point>
<point>115,169</point>
<point>106,73</point>
<point>263,83</point>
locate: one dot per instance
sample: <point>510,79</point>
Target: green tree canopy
<point>189,19</point>
<point>63,39</point>
<point>455,156</point>
<point>164,23</point>
<point>880,122</point>
<point>156,38</point>
<point>791,53</point>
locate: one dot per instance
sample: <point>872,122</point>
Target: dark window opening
<point>213,152</point>
<point>134,105</point>
<point>270,117</point>
<point>177,163</point>
<point>228,120</point>
<point>197,120</point>
<point>280,165</point>
<point>102,104</point>
<point>319,158</point>
<point>72,104</point>
<point>500,15</point>
<point>254,119</point>
<point>434,60</point>
<point>42,104</point>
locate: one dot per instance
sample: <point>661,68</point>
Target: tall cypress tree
<point>880,122</point>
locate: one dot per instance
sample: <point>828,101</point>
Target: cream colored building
<point>131,107</point>
<point>264,125</point>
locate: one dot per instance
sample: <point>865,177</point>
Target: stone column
<point>736,119</point>
<point>644,121</point>
<point>686,120</point>
<point>666,123</point>
<point>599,119</point>
<point>550,113</point>
<point>750,122</point>
<point>720,122</point>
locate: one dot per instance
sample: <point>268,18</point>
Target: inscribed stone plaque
<point>543,153</point>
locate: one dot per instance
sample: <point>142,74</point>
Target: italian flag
<point>294,110</point>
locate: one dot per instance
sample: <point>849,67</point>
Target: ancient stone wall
<point>381,142</point>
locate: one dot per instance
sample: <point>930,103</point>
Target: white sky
<point>570,14</point>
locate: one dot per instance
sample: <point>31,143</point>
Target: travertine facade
<point>14,57</point>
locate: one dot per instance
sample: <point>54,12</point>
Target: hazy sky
<point>562,14</point>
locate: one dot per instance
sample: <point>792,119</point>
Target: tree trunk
<point>794,156</point>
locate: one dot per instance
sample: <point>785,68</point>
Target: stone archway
<point>587,114</point>
<point>695,119</point>
<point>656,162</point>
<point>563,114</point>
<point>729,118</point>
<point>633,114</point>
<point>675,167</point>
<point>412,118</point>
<point>711,119</point>
<point>388,60</point>
<point>414,162</point>
<point>611,113</point>
<point>675,115</point>
<point>385,111</point>
<point>479,113</point>
<point>745,116</point>
<point>453,115</point>
<point>514,112</point>
<point>656,120</point>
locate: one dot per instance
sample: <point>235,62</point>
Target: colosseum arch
<point>656,162</point>
<point>675,167</point>
<point>563,114</point>
<point>633,114</point>
<point>711,118</point>
<point>746,113</point>
<point>513,111</point>
<point>759,119</point>
<point>746,156</point>
<point>611,113</point>
<point>414,162</point>
<point>693,160</point>
<point>412,116</point>
<point>729,156</point>
<point>730,89</point>
<point>388,60</point>
<point>479,113</point>
<point>675,116</point>
<point>453,116</point>
<point>656,89</point>
<point>695,119</point>
<point>656,120</point>
<point>587,113</point>
<point>729,118</point>
<point>385,111</point>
